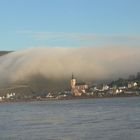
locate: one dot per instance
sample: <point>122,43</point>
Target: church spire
<point>72,77</point>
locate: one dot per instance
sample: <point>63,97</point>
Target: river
<point>81,119</point>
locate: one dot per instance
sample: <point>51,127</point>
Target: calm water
<point>87,119</point>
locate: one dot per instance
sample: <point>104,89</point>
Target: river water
<point>83,119</point>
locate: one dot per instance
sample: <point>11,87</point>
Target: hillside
<point>4,52</point>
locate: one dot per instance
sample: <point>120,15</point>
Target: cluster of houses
<point>132,88</point>
<point>7,96</point>
<point>82,89</point>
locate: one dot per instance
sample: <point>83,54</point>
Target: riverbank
<point>66,98</point>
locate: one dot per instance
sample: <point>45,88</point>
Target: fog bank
<point>58,63</point>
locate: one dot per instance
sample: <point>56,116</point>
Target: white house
<point>49,95</point>
<point>132,84</point>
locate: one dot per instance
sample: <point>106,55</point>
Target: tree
<point>131,77</point>
<point>138,76</point>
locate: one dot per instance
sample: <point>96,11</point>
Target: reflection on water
<point>86,119</point>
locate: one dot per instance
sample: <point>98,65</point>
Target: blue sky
<point>70,23</point>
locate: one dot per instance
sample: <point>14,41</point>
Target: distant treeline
<point>124,82</point>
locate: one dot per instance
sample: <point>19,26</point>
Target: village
<point>114,89</point>
<point>118,88</point>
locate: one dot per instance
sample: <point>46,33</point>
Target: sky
<point>68,23</point>
<point>96,39</point>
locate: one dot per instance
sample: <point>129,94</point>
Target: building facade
<point>77,89</point>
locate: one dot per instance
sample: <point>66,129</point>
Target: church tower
<point>73,82</point>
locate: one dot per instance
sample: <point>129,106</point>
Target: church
<point>77,89</point>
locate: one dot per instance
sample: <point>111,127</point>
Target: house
<point>10,95</point>
<point>105,87</point>
<point>132,84</point>
<point>49,95</point>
